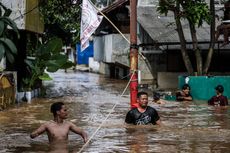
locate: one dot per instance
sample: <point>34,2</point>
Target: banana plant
<point>7,47</point>
<point>48,57</point>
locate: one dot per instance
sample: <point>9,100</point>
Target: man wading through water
<point>58,129</point>
<point>143,114</point>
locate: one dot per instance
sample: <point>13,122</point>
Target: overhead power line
<point>24,14</point>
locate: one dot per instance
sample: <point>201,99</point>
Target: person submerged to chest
<point>219,99</point>
<point>148,116</point>
<point>143,114</point>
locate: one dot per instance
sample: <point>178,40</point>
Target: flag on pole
<point>89,22</point>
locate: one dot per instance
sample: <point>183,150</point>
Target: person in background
<point>58,129</point>
<point>143,114</point>
<point>184,94</point>
<point>219,99</point>
<point>157,98</point>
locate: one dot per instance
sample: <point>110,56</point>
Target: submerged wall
<point>203,87</point>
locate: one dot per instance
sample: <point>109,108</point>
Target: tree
<point>212,35</point>
<point>63,15</point>
<point>7,47</point>
<point>195,12</point>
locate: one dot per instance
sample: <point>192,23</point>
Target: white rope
<point>99,127</point>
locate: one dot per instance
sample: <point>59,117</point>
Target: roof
<point>114,5</point>
<point>161,28</point>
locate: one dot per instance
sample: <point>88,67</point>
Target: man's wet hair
<point>156,96</point>
<point>57,106</point>
<point>141,93</point>
<point>220,88</point>
<point>185,86</point>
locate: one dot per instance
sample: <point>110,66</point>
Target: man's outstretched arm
<point>79,131</point>
<point>38,131</point>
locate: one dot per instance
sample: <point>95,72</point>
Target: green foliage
<point>165,6</point>
<point>7,47</point>
<point>48,57</point>
<point>196,11</point>
<point>64,13</point>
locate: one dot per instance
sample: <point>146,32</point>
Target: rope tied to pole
<point>102,123</point>
<point>134,46</point>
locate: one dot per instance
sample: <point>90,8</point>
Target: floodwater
<point>188,127</point>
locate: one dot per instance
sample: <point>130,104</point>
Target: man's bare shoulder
<point>48,123</point>
<point>51,124</point>
<point>69,123</point>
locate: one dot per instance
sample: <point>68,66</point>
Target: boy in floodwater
<point>157,98</point>
<point>184,94</point>
<point>58,129</point>
<point>219,99</point>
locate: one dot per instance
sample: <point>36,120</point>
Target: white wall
<point>115,49</point>
<point>18,8</point>
<point>94,66</point>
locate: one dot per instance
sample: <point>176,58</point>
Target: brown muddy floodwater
<point>189,127</point>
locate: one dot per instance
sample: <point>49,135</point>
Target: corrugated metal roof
<point>114,5</point>
<point>163,29</point>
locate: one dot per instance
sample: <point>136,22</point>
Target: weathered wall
<point>168,80</point>
<point>25,14</point>
<point>111,48</point>
<point>114,49</point>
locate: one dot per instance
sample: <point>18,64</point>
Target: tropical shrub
<point>7,47</point>
<point>48,58</point>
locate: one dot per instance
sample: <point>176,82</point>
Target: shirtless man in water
<point>58,129</point>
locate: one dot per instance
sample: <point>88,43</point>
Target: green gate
<point>203,87</point>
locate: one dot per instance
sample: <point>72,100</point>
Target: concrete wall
<point>203,87</point>
<point>98,47</point>
<point>168,80</point>
<point>94,66</point>
<point>32,21</point>
<point>18,8</point>
<point>146,71</point>
<point>114,49</point>
<point>104,69</point>
<point>111,48</point>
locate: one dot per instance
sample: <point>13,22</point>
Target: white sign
<point>89,22</point>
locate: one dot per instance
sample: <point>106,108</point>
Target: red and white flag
<point>89,22</point>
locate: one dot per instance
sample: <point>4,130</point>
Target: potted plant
<point>47,58</point>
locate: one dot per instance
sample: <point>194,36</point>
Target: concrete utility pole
<point>133,54</point>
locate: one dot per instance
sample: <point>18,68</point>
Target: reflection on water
<point>189,127</point>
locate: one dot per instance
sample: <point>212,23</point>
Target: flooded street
<point>189,127</point>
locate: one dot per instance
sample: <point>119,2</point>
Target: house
<point>155,31</point>
<point>158,42</point>
<point>111,50</point>
<point>25,14</point>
